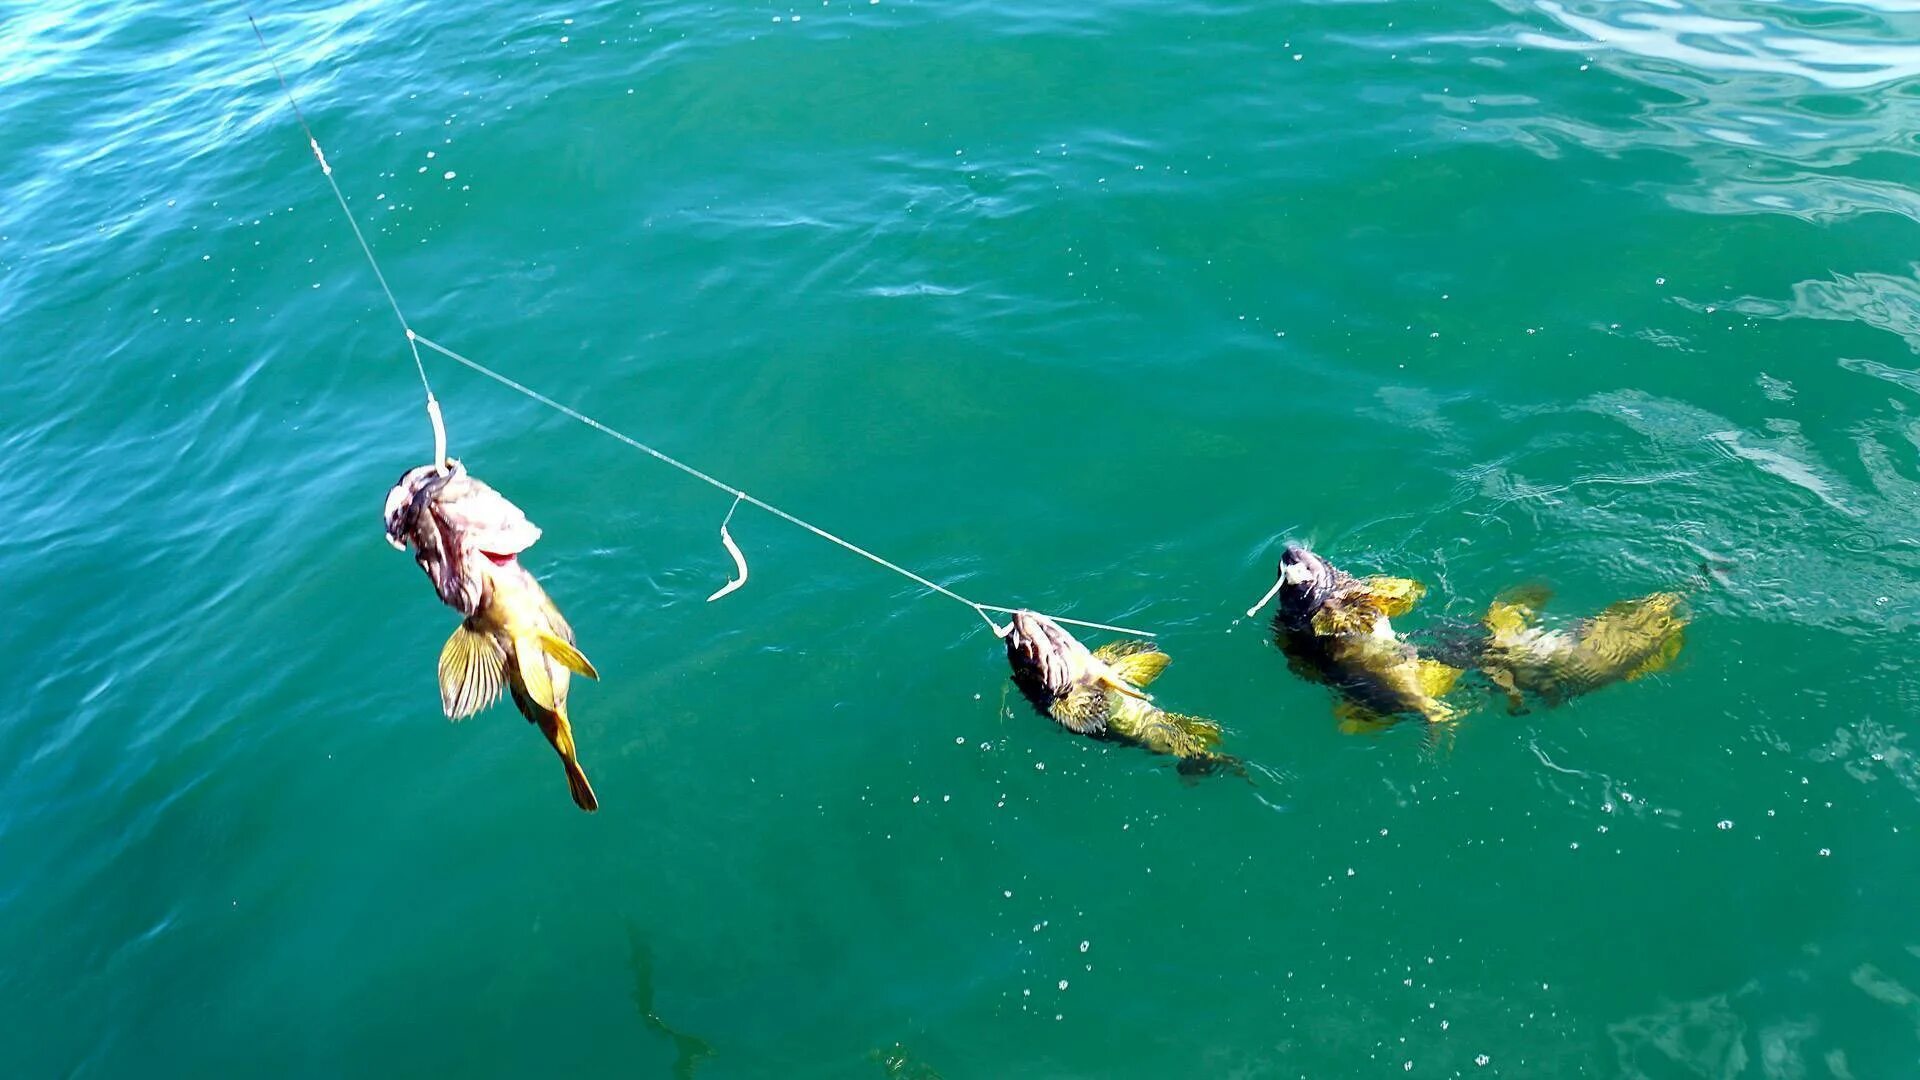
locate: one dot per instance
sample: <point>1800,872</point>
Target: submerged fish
<point>1096,693</point>
<point>467,537</point>
<point>1625,641</point>
<point>1336,629</point>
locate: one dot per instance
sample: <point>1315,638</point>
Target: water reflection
<point>1774,108</point>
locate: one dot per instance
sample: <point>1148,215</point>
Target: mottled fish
<point>1336,629</point>
<point>1097,692</point>
<point>1623,642</point>
<point>467,537</point>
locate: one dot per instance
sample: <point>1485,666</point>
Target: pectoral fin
<point>1394,595</point>
<point>472,671</point>
<point>1334,620</point>
<point>1083,711</point>
<point>1137,662</point>
<point>563,650</point>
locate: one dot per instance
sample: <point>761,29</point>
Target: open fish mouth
<point>1304,579</point>
<point>1039,648</point>
<point>410,496</point>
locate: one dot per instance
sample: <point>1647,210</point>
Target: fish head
<point>412,495</point>
<point>1306,581</point>
<point>1041,651</point>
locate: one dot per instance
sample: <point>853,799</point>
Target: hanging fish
<point>467,537</point>
<point>1097,693</point>
<point>1624,642</point>
<point>1336,629</point>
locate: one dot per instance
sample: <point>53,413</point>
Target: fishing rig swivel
<point>416,340</point>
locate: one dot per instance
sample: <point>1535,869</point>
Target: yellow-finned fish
<point>467,537</point>
<point>1336,629</point>
<point>1097,692</point>
<point>1623,642</point>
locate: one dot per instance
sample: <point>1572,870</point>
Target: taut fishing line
<point>415,340</point>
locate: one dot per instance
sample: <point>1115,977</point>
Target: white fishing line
<point>415,340</point>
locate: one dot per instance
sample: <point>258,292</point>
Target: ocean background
<point>1081,306</point>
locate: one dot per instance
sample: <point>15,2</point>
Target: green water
<point>1079,306</point>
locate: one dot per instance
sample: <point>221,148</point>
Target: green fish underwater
<point>1337,629</point>
<point>467,537</point>
<point>1097,692</point>
<point>1624,642</point>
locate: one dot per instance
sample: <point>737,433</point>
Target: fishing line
<point>326,170</point>
<point>415,340</point>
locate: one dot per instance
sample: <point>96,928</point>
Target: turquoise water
<point>1084,307</point>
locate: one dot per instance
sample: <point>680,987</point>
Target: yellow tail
<point>560,733</point>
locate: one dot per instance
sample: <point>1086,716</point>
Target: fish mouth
<point>1304,579</point>
<point>1042,652</point>
<point>410,495</point>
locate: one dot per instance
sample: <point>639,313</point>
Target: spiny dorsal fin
<point>1394,595</point>
<point>1137,662</point>
<point>472,671</point>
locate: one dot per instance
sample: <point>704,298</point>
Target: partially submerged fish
<point>1097,693</point>
<point>1624,642</point>
<point>467,537</point>
<point>1336,629</point>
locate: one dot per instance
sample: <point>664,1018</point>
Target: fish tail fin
<point>560,733</point>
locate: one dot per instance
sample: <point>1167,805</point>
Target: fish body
<point>1097,692</point>
<point>1337,629</point>
<point>467,538</point>
<point>1627,640</point>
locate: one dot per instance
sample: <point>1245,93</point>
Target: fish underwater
<point>1336,629</point>
<point>1622,643</point>
<point>468,538</point>
<point>1097,692</point>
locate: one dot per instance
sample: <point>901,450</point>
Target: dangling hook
<point>733,549</point>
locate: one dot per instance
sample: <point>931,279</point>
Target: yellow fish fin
<point>1394,595</point>
<point>1336,619</point>
<point>564,651</point>
<point>530,663</point>
<point>1083,711</point>
<point>1437,678</point>
<point>472,671</point>
<point>1357,719</point>
<point>1172,733</point>
<point>1138,662</point>
<point>1507,619</point>
<point>1662,656</point>
<point>1110,679</point>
